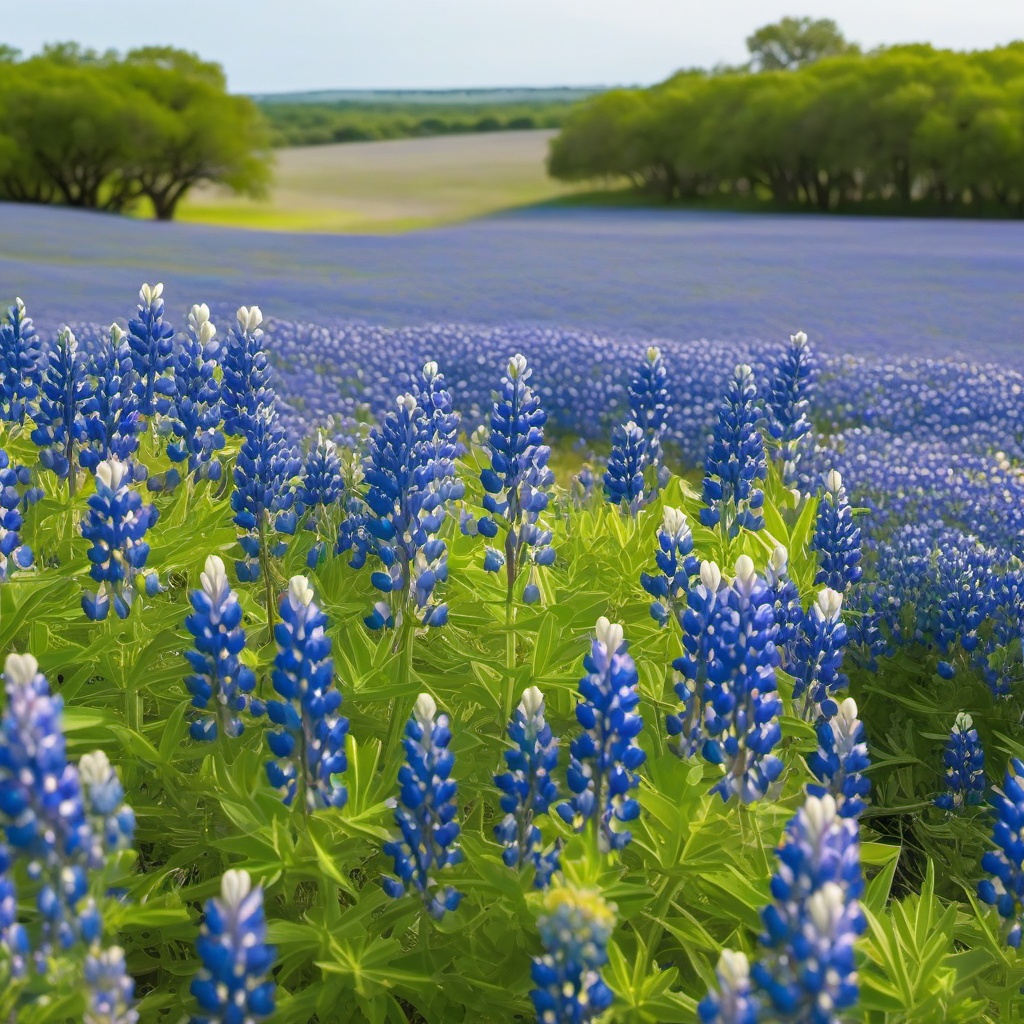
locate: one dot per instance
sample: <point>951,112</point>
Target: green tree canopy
<point>795,42</point>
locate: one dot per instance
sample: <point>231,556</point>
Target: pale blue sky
<point>275,45</point>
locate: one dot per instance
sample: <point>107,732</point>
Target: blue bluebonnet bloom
<point>13,554</point>
<point>111,988</point>
<point>442,435</point>
<point>319,493</point>
<point>517,483</point>
<point>309,744</point>
<point>264,494</point>
<point>197,408</point>
<point>841,759</point>
<point>527,788</point>
<point>818,656</point>
<point>677,564</point>
<point>728,690</point>
<point>14,944</point>
<point>575,926</point>
<point>964,760</point>
<point>605,755</point>
<point>735,464</point>
<point>21,363</point>
<point>786,605</point>
<point>624,479</point>
<point>836,537</point>
<point>151,340</point>
<point>649,407</point>
<point>405,512</point>
<point>111,820</point>
<point>245,386</point>
<point>231,986</point>
<point>60,419</point>
<point>218,675</point>
<point>734,1001</point>
<point>1005,889</point>
<point>809,974</point>
<point>426,813</point>
<point>787,401</point>
<point>116,524</point>
<point>42,807</point>
<point>112,411</point>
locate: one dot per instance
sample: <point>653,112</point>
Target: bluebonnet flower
<point>218,674</point>
<point>432,395</point>
<point>818,656</point>
<point>677,564</point>
<point>730,705</point>
<point>426,813</point>
<point>734,1002</point>
<point>14,944</point>
<point>197,408</point>
<point>245,386</point>
<point>575,926</point>
<point>1005,889</point>
<point>232,986</point>
<point>841,759</point>
<point>786,605</point>
<point>21,364</point>
<point>309,743</point>
<point>836,537</point>
<point>787,401</point>
<point>964,759</point>
<point>810,928</point>
<point>151,341</point>
<point>112,411</point>
<point>517,483</point>
<point>624,479</point>
<point>735,464</point>
<point>649,407</point>
<point>60,419</point>
<point>111,820</point>
<point>111,988</point>
<point>13,554</point>
<point>42,808</point>
<point>321,490</point>
<point>264,494</point>
<point>605,755</point>
<point>116,524</point>
<point>527,788</point>
<point>405,512</point>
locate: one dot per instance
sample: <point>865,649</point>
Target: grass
<point>393,186</point>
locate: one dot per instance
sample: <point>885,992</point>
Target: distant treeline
<point>905,128</point>
<point>110,131</point>
<point>313,124</point>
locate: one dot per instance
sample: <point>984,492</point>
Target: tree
<point>795,42</point>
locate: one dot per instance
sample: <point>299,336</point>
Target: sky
<point>288,45</point>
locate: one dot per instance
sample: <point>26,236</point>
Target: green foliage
<point>794,42</point>
<point>691,882</point>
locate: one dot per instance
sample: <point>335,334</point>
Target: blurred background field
<point>391,185</point>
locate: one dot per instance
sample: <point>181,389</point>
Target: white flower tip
<point>20,669</point>
<point>711,576</point>
<point>235,886</point>
<point>848,709</point>
<point>825,907</point>
<point>733,969</point>
<point>206,332</point>
<point>406,402</point>
<point>111,473</point>
<point>66,337</point>
<point>833,481</point>
<point>94,768</point>
<point>674,521</point>
<point>430,369</point>
<point>249,318</point>
<point>517,366</point>
<point>532,703</point>
<point>199,314</point>
<point>964,722</point>
<point>780,558</point>
<point>744,370</point>
<point>116,335</point>
<point>610,634</point>
<point>745,571</point>
<point>299,590</point>
<point>820,812</point>
<point>653,354</point>
<point>799,339</point>
<point>214,577</point>
<point>149,293</point>
<point>424,710</point>
<point>19,305</point>
<point>830,603</point>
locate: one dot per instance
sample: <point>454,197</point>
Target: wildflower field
<point>452,673</point>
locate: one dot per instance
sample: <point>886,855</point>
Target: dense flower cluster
<point>650,403</point>
<point>1005,889</point>
<point>678,566</point>
<point>605,755</point>
<point>111,988</point>
<point>624,479</point>
<point>21,363</point>
<point>841,759</point>
<point>818,656</point>
<point>836,537</point>
<point>13,554</point>
<point>734,1002</point>
<point>112,412</point>
<point>964,761</point>
<point>319,493</point>
<point>787,394</point>
<point>151,340</point>
<point>245,387</point>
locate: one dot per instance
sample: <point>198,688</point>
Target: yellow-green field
<point>390,186</point>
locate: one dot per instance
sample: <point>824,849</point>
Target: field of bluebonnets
<point>465,674</point>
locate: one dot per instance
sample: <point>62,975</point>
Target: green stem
<point>267,583</point>
<point>395,721</point>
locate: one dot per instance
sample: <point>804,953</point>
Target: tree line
<point>108,131</point>
<point>904,128</point>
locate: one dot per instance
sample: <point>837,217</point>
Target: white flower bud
<point>833,481</point>
<point>830,604</point>
<point>734,968</point>
<point>674,522</point>
<point>300,591</point>
<point>430,370</point>
<point>214,578</point>
<point>799,339</point>
<point>826,906</point>
<point>964,723</point>
<point>116,336</point>
<point>532,702</point>
<point>779,559</point>
<point>94,768</point>
<point>653,354</point>
<point>234,887</point>
<point>112,473</point>
<point>711,576</point>
<point>610,634</point>
<point>517,366</point>
<point>20,669</point>
<point>406,402</point>
<point>424,711</point>
<point>198,315</point>
<point>820,812</point>
<point>249,318</point>
<point>745,571</point>
<point>743,370</point>
<point>149,293</point>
